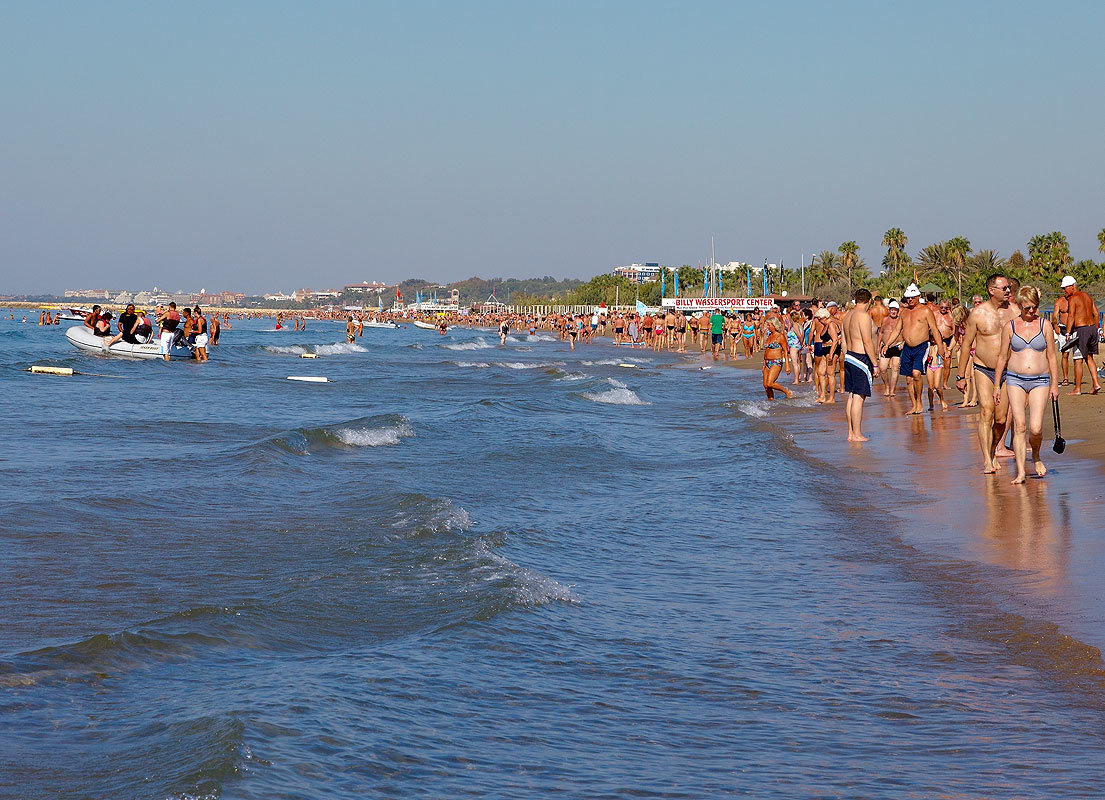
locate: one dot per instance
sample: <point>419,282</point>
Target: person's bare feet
<point>854,438</point>
<point>1041,470</point>
<point>990,468</point>
<point>1019,479</point>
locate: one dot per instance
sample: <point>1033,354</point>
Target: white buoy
<point>51,370</point>
<point>308,378</point>
<point>628,366</point>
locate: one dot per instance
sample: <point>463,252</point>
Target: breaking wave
<point>385,430</point>
<point>478,344</point>
<point>339,348</point>
<point>620,395</point>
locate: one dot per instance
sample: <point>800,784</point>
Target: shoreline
<point>1082,417</point>
<point>1037,544</point>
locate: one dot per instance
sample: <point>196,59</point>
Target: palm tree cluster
<point>953,265</point>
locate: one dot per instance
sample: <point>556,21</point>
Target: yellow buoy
<point>308,355</point>
<point>52,370</point>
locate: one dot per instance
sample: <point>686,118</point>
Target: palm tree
<point>860,273</point>
<point>1101,240</point>
<point>849,252</point>
<point>932,261</point>
<point>895,240</point>
<point>1048,254</point>
<point>826,268</point>
<point>958,249</point>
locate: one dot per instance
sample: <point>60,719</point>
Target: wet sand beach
<point>1041,545</point>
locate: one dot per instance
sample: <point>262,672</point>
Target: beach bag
<point>1060,443</point>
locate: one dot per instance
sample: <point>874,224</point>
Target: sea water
<point>460,569</point>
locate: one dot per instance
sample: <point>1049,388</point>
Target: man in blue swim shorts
<point>859,362</point>
<point>917,326</point>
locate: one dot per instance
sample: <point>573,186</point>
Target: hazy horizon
<point>266,146</point>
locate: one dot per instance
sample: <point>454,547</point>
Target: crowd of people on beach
<point>1008,358</point>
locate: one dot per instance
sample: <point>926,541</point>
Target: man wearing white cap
<point>916,327</point>
<point>1081,321</point>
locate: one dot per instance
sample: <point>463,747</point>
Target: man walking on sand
<point>860,366</point>
<point>983,333</point>
<point>717,331</point>
<point>1081,322</point>
<point>916,326</point>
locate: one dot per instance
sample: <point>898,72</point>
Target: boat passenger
<point>103,325</point>
<point>91,318</point>
<point>144,330</point>
<point>168,320</point>
<point>127,323</point>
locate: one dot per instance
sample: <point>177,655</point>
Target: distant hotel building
<point>639,273</point>
<point>89,294</point>
<point>367,288</point>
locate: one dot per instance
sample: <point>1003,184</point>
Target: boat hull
<point>85,340</point>
<point>428,326</point>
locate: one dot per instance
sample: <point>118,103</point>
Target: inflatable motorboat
<point>82,338</point>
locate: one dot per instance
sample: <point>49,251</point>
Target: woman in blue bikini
<point>1028,360</point>
<point>775,359</point>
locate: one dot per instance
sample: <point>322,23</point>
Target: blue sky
<point>272,145</point>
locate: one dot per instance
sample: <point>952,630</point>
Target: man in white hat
<point>916,327</point>
<point>983,332</point>
<point>1081,321</point>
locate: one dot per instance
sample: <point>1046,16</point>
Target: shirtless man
<point>90,319</point>
<point>890,349</point>
<point>983,332</point>
<point>350,330</point>
<point>879,311</point>
<point>938,367</point>
<point>1062,306</point>
<point>669,326</point>
<point>1081,322</point>
<point>859,361</point>
<point>917,324</point>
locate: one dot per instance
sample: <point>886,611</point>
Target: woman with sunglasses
<point>1027,358</point>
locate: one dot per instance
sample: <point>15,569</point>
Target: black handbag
<point>1060,443</point>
